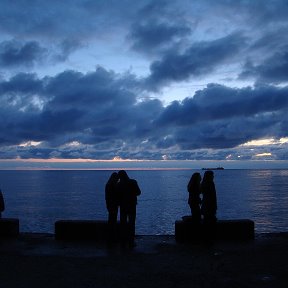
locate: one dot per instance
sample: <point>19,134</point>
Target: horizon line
<point>88,160</point>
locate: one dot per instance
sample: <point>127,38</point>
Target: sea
<point>41,197</point>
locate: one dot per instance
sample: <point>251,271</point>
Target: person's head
<point>123,175</point>
<point>196,177</point>
<point>208,176</point>
<point>113,178</point>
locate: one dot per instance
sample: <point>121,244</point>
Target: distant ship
<point>214,168</point>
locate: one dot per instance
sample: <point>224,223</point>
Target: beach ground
<point>38,260</point>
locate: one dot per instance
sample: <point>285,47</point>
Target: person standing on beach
<point>2,203</point>
<point>112,204</point>
<point>209,200</point>
<point>128,190</point>
<point>194,199</point>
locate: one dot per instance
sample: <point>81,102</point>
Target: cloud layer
<point>99,114</point>
<point>53,108</point>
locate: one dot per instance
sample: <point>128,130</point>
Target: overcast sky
<point>109,79</point>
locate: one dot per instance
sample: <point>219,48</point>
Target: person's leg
<point>191,209</point>
<point>132,220</point>
<point>112,217</point>
<point>131,226</point>
<point>124,225</point>
<point>112,224</point>
<point>196,213</point>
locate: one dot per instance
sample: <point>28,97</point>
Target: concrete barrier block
<point>9,227</point>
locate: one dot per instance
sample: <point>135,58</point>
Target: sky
<point>144,80</point>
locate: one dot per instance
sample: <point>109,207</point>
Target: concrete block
<point>239,229</point>
<point>9,227</point>
<point>84,230</point>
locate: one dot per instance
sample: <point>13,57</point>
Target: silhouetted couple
<point>121,192</point>
<point>207,206</point>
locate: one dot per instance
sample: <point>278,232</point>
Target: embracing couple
<point>121,192</point>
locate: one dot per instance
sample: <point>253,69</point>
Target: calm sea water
<point>39,198</point>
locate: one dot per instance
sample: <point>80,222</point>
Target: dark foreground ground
<point>37,260</point>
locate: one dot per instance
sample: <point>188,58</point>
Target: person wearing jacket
<point>128,190</point>
<point>194,200</point>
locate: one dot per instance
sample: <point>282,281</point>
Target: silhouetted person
<point>2,203</point>
<point>194,200</point>
<point>128,190</point>
<point>112,198</point>
<point>209,203</point>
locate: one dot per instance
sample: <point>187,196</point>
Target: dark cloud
<point>98,114</point>
<point>91,90</point>
<point>159,25</point>
<point>271,40</point>
<point>201,58</point>
<point>221,117</point>
<point>152,36</point>
<point>14,53</point>
<point>65,48</point>
<point>18,54</point>
<point>21,85</point>
<point>73,18</point>
<point>92,107</point>
<point>221,102</point>
<point>257,12</point>
<point>272,70</point>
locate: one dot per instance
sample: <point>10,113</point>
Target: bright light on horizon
<point>263,154</point>
<point>263,142</point>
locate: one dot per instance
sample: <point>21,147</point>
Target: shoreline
<point>34,243</point>
<point>157,261</point>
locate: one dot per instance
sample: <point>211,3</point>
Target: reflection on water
<point>39,198</point>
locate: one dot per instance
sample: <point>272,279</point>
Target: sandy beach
<point>38,260</point>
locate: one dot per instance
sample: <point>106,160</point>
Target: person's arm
<point>2,203</point>
<point>215,196</point>
<point>189,186</point>
<point>136,188</point>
